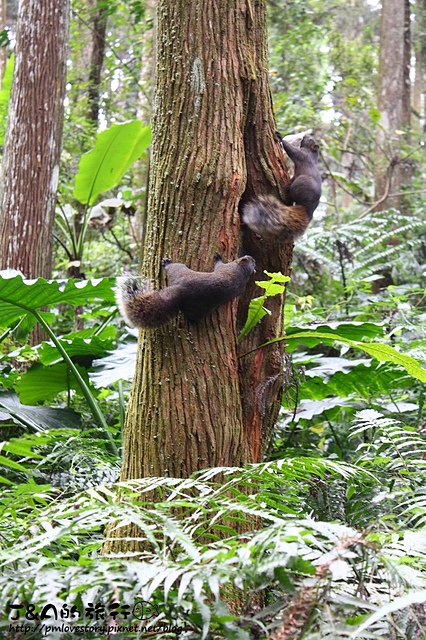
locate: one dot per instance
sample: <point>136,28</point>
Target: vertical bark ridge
<point>261,376</point>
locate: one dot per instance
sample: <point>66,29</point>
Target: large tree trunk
<point>192,406</point>
<point>33,138</point>
<point>393,100</point>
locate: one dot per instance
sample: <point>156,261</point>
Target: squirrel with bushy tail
<point>287,220</point>
<point>196,294</point>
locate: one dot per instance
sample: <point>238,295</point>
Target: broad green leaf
<point>44,383</point>
<point>118,365</point>
<point>308,409</point>
<point>382,352</point>
<point>299,565</point>
<point>374,115</point>
<point>350,330</point>
<point>82,351</point>
<point>19,297</point>
<point>37,417</point>
<point>116,149</point>
<point>357,378</point>
<point>274,286</point>
<point>256,311</point>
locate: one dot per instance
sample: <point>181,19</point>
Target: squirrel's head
<point>248,263</point>
<point>308,142</point>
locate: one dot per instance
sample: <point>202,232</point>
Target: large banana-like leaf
<point>116,149</point>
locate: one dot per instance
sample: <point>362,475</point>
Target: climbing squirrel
<point>288,220</point>
<point>194,293</point>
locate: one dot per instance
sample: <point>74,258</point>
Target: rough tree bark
<point>99,22</point>
<point>261,372</point>
<point>33,138</point>
<point>193,404</point>
<point>393,99</point>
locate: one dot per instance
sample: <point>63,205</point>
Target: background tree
<point>393,99</point>
<point>100,19</point>
<point>419,84</point>
<point>144,113</point>
<point>94,55</point>
<point>30,168</point>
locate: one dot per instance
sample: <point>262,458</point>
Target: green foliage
<point>6,87</point>
<point>342,291</point>
<point>322,61</point>
<point>21,298</point>
<point>298,80</point>
<point>382,352</point>
<point>21,302</point>
<point>116,149</point>
<point>83,231</point>
<point>190,562</point>
<point>37,418</point>
<point>334,473</point>
<point>273,287</point>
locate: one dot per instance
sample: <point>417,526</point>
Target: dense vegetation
<point>340,505</point>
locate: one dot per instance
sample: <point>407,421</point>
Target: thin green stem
<point>96,412</point>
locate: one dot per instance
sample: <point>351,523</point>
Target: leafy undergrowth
<point>294,572</point>
<point>326,540</point>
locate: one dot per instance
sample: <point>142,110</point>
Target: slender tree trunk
<point>146,84</point>
<point>31,159</point>
<point>393,99</point>
<point>148,63</point>
<point>192,404</point>
<point>100,19</point>
<point>419,85</point>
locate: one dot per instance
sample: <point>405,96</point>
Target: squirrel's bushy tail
<point>142,307</point>
<point>271,218</point>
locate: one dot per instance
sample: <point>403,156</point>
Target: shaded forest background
<point>339,550</point>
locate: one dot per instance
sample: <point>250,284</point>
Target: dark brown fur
<point>196,294</point>
<point>270,217</point>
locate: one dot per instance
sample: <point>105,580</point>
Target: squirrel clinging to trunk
<point>270,217</point>
<point>194,293</point>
